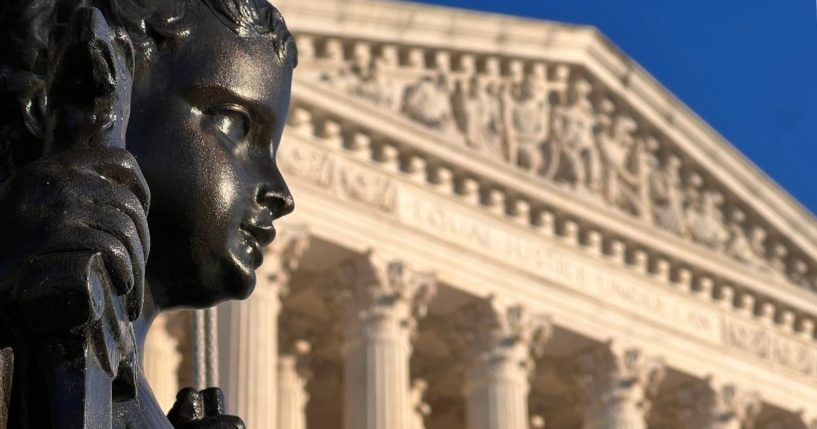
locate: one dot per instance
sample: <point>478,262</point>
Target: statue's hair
<point>153,26</point>
<point>151,23</point>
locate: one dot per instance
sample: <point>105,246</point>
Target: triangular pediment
<point>556,108</point>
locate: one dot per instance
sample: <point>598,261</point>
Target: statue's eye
<point>233,121</point>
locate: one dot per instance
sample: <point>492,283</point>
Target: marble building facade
<point>508,224</point>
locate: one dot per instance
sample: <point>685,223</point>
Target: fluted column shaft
<point>497,393</point>
<point>376,374</point>
<point>381,300</point>
<point>292,396</point>
<point>249,332</point>
<point>501,343</point>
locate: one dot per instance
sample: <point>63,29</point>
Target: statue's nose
<point>277,199</point>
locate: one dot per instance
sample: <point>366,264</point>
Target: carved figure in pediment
<point>757,239</point>
<point>428,101</point>
<point>705,221</point>
<point>620,154</point>
<point>346,76</point>
<point>666,196</point>
<point>799,274</point>
<point>363,77</point>
<point>573,156</point>
<point>526,120</point>
<point>779,255</point>
<point>745,247</point>
<point>478,111</point>
<point>374,85</point>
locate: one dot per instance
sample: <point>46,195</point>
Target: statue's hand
<point>202,410</point>
<point>93,200</point>
<point>86,194</point>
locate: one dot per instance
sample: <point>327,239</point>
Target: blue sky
<point>749,68</point>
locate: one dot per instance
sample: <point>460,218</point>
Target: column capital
<point>281,258</point>
<point>718,404</point>
<point>619,381</point>
<point>500,340</point>
<point>375,285</point>
<point>492,329</point>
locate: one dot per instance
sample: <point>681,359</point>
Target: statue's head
<point>210,99</point>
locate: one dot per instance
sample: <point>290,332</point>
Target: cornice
<point>419,23</point>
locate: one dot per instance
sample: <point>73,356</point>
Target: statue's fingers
<point>112,221</point>
<point>76,183</point>
<point>123,168</point>
<point>105,205</point>
<point>116,165</point>
<point>127,203</point>
<point>81,237</point>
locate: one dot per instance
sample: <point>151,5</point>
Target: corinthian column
<point>500,342</point>
<point>381,300</point>
<point>714,405</point>
<point>619,383</point>
<point>249,335</point>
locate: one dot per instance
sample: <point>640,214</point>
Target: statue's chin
<point>245,258</point>
<point>240,287</point>
<point>234,280</point>
<point>206,282</point>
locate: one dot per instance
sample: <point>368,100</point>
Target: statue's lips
<point>257,237</point>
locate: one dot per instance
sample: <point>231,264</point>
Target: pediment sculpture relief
<point>554,122</point>
<point>478,109</point>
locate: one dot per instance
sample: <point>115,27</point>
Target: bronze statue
<point>128,129</point>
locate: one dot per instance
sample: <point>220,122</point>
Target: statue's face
<point>205,126</point>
